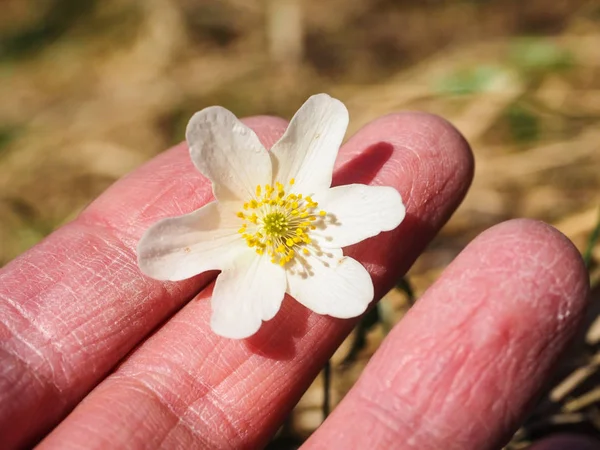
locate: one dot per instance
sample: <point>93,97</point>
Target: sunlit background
<point>91,89</point>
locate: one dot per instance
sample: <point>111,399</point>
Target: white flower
<point>276,226</point>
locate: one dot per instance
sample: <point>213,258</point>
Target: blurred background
<point>91,89</point>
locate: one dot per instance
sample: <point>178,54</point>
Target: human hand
<point>459,371</point>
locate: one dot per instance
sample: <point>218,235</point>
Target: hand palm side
<point>458,372</point>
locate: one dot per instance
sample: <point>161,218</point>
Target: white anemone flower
<point>277,225</point>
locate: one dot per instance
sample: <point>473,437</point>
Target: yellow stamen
<point>281,222</point>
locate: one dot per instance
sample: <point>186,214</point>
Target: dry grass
<point>90,92</point>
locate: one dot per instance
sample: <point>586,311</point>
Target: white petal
<point>339,287</point>
<point>228,153</point>
<point>356,212</point>
<point>181,247</point>
<point>307,150</point>
<point>246,293</point>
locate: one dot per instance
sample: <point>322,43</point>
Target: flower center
<point>278,224</point>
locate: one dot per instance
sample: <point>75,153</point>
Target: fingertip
<point>444,144</point>
<point>527,244</point>
<point>424,128</point>
<point>524,276</point>
<point>429,136</point>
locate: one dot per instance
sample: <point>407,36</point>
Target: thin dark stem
<point>587,256</point>
<point>368,321</point>
<point>404,285</point>
<point>326,388</point>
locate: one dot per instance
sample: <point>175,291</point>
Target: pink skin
<point>461,369</point>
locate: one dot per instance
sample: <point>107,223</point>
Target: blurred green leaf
<point>524,126</point>
<point>7,135</point>
<point>539,54</point>
<point>592,241</point>
<point>469,81</point>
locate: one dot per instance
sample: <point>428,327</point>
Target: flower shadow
<point>364,168</point>
<point>388,263</point>
<point>277,338</point>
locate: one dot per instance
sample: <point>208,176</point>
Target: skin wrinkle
<point>208,396</point>
<point>56,317</point>
<point>22,361</point>
<point>99,287</point>
<point>34,368</point>
<point>15,354</point>
<point>8,285</point>
<point>432,346</point>
<point>378,410</point>
<point>138,435</point>
<point>58,284</point>
<point>40,273</point>
<point>432,401</point>
<point>479,384</point>
<point>22,312</point>
<point>236,427</point>
<point>25,383</point>
<point>187,422</point>
<point>180,411</point>
<point>240,425</point>
<point>165,405</point>
<point>400,404</point>
<point>239,388</point>
<point>101,440</point>
<point>431,201</point>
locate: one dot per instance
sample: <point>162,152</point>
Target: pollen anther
<point>280,222</point>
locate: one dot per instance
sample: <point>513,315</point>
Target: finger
<point>186,387</point>
<point>463,367</point>
<point>74,305</point>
